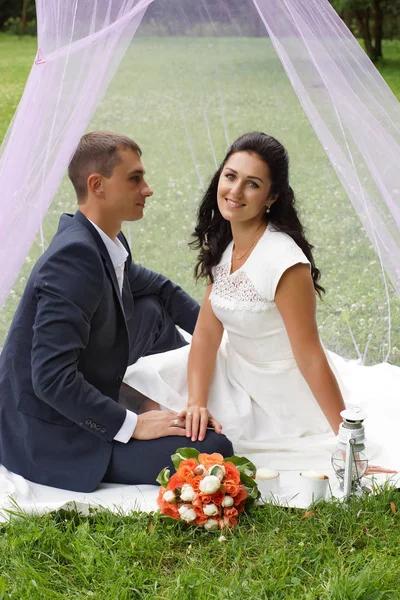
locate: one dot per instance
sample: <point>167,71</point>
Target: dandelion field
<point>331,553</point>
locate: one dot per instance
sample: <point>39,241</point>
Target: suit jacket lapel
<point>105,256</point>
<point>127,298</point>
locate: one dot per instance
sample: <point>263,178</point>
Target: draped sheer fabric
<point>184,79</point>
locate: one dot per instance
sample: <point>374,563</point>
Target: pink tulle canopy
<point>318,85</point>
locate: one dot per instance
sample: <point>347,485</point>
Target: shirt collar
<point>115,248</point>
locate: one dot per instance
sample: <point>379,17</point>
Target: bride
<point>256,362</point>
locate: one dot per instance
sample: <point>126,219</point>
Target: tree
<point>18,16</point>
<point>24,16</point>
<point>367,19</point>
<point>8,9</point>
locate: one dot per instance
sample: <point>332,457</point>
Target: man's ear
<point>95,184</point>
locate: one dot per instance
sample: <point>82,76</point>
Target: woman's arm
<point>296,302</point>
<point>201,366</point>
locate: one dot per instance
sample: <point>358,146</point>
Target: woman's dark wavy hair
<point>213,233</point>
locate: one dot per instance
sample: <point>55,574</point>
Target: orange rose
<point>197,502</point>
<point>230,522</point>
<point>189,462</point>
<point>231,472</point>
<point>200,516</point>
<point>227,522</point>
<point>217,497</point>
<point>160,496</point>
<point>174,482</point>
<point>241,497</point>
<point>205,498</point>
<point>171,510</point>
<point>229,518</point>
<point>201,519</point>
<point>208,460</point>
<point>185,473</point>
<point>231,488</point>
<point>195,483</point>
<point>230,512</point>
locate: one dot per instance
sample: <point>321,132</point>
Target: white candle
<point>313,474</point>
<point>264,474</point>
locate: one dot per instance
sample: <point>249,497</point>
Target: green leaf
<point>215,470</point>
<point>250,486</point>
<point>183,454</point>
<point>243,464</point>
<point>163,477</point>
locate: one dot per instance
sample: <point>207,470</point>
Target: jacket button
<point>119,378</point>
<point>93,426</point>
<point>103,430</point>
<point>88,422</point>
<point>98,427</point>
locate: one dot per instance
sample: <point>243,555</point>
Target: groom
<point>87,312</point>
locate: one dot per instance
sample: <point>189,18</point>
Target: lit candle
<point>264,474</point>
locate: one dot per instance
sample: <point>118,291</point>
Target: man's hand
<point>157,424</point>
<point>197,418</point>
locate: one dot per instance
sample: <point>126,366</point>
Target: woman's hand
<point>372,469</point>
<point>197,419</point>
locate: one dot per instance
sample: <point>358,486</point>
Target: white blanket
<point>19,495</point>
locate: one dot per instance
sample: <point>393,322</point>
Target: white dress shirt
<point>118,255</point>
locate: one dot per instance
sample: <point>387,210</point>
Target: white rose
<point>169,496</point>
<point>218,471</point>
<point>187,493</point>
<point>210,524</point>
<point>227,502</point>
<point>200,470</point>
<point>210,510</point>
<point>210,484</point>
<point>186,513</point>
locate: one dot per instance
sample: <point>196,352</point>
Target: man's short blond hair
<point>97,152</point>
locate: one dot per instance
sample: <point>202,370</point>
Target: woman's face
<point>244,188</point>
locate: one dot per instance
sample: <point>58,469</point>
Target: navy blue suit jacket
<point>65,356</point>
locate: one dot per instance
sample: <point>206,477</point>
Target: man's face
<point>125,192</point>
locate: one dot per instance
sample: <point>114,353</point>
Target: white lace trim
<point>236,292</point>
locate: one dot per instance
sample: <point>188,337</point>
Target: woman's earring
<point>268,210</point>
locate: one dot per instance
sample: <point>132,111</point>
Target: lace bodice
<point>244,301</point>
<point>236,291</point>
<point>253,286</point>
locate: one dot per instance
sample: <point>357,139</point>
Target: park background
<point>359,317</point>
<point>328,553</point>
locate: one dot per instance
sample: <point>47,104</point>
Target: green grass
<point>159,97</point>
<point>335,554</point>
<point>389,67</point>
<point>16,58</point>
<point>275,553</point>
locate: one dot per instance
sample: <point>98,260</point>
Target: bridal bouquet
<point>207,490</point>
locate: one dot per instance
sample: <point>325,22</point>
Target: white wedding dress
<point>258,393</point>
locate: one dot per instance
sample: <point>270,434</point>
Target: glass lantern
<point>349,461</point>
